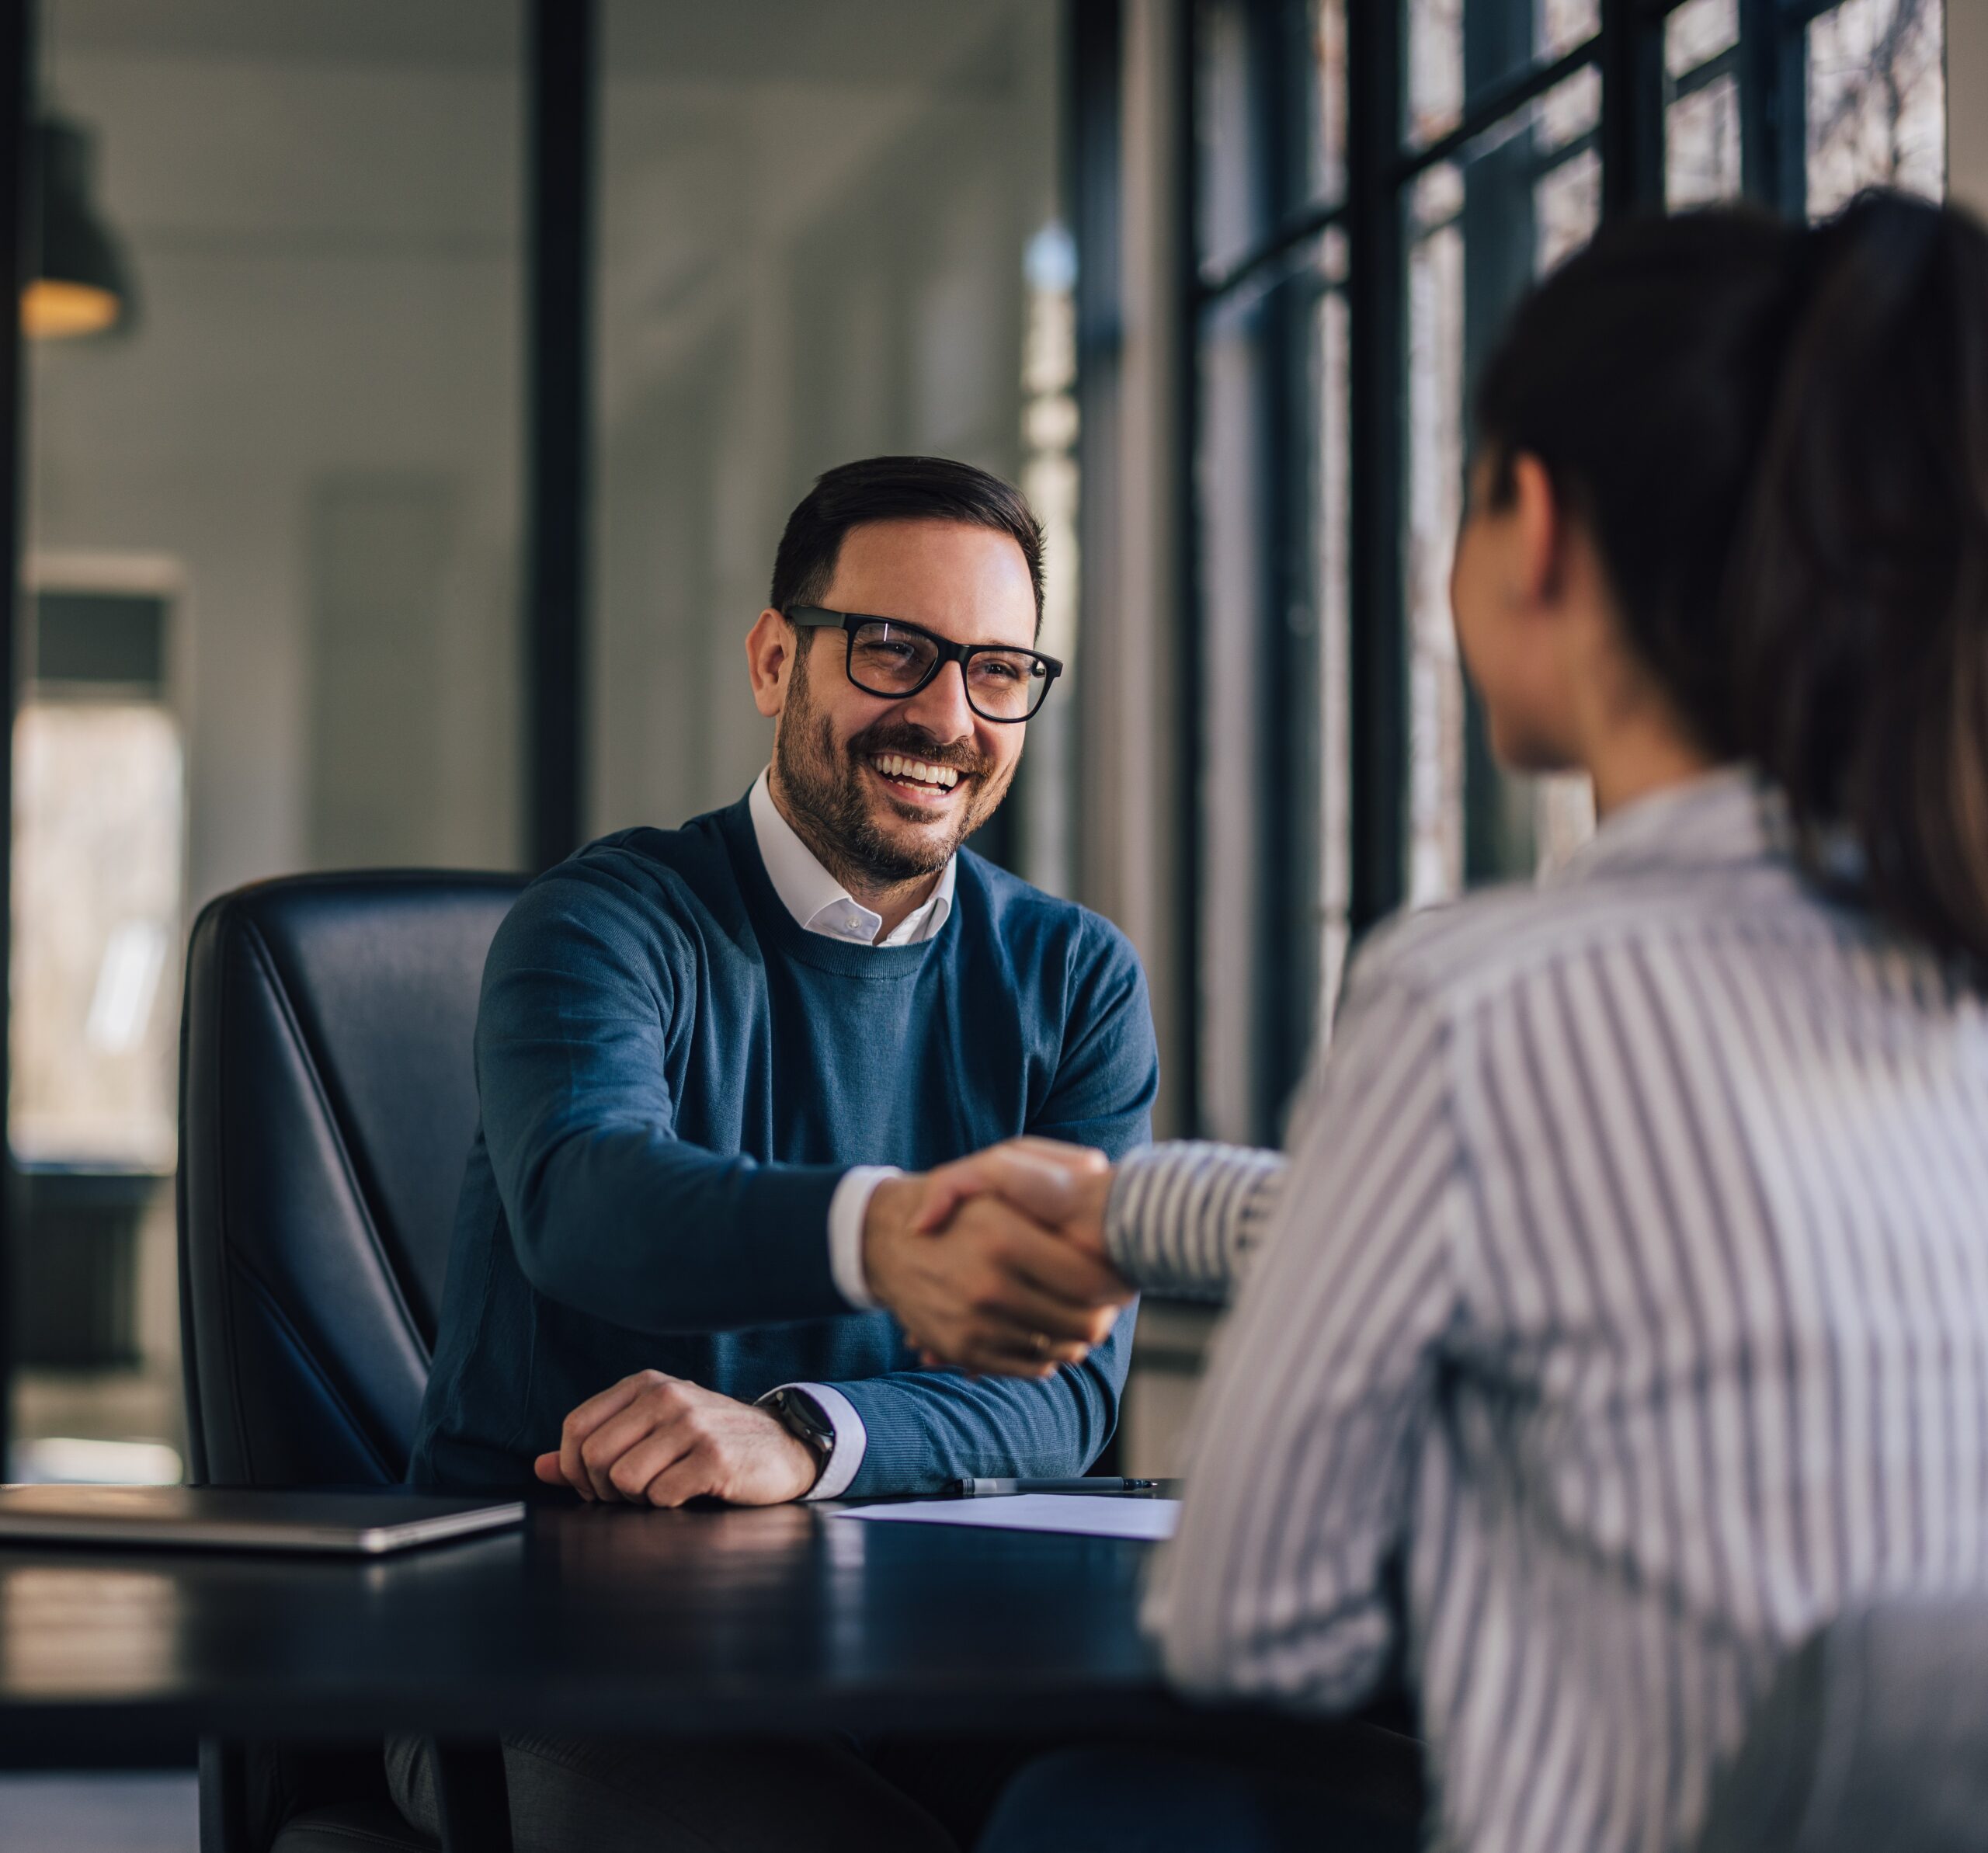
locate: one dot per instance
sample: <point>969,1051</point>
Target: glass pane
<point>1697,33</point>
<point>1326,76</point>
<point>1270,119</point>
<point>817,227</point>
<point>1480,229</point>
<point>1435,506</point>
<point>99,842</point>
<point>1701,103</point>
<point>1462,52</point>
<point>311,416</point>
<point>1234,208</point>
<point>1271,496</point>
<point>1234,484</point>
<point>1876,100</point>
<point>300,446</point>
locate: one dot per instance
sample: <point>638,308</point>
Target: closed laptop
<point>357,1523</point>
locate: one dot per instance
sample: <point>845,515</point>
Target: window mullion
<point>1632,108</point>
<point>1378,679</point>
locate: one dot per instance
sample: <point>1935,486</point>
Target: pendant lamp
<point>80,284</point>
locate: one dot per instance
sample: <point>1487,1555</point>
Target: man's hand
<point>659,1441</point>
<point>1044,1178</point>
<point>972,1259</point>
<point>1070,1196</point>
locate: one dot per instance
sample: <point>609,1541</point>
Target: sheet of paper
<point>1091,1515</point>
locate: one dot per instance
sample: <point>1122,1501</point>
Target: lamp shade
<point>80,284</point>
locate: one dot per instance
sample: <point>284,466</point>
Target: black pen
<point>992,1489</point>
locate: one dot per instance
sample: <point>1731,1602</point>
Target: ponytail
<point>1858,598</point>
<point>1778,437</point>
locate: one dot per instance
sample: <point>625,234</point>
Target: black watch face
<point>801,1415</point>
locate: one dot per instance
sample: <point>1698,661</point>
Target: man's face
<point>832,741</point>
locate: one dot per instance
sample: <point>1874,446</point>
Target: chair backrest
<point>328,1100</point>
<point>1872,1739</point>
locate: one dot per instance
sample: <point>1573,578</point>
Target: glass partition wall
<point>271,621</point>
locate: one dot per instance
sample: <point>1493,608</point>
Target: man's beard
<point>825,788</point>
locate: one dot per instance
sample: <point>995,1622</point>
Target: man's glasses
<point>889,658</point>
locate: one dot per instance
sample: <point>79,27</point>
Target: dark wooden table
<point>589,1619</point>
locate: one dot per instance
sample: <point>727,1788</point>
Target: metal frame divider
<point>1377,646</point>
<point>1187,562</point>
<point>562,76</point>
<point>17,206</point>
<point>1631,64</point>
<point>1093,184</point>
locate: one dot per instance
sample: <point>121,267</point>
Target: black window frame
<point>1381,164</point>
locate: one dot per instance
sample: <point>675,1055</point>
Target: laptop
<point>365,1524</point>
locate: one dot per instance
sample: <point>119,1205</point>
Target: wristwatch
<point>801,1416</point>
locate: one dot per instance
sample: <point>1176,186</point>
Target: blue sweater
<point>672,1077</point>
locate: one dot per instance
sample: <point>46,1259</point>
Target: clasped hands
<point>995,1263</point>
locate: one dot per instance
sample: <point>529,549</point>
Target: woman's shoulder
<point>1464,953</point>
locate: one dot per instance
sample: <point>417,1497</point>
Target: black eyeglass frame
<point>819,617</point>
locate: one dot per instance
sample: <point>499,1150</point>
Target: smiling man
<point>728,1073</point>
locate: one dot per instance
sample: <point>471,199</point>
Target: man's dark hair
<point>895,489</point>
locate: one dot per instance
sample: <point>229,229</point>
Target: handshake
<point>996,1263</point>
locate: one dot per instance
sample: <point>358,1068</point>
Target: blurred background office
<point>410,397</point>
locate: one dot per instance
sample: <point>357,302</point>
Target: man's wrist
<point>825,1409</point>
<point>888,1208</point>
<point>802,1417</point>
<point>848,1215</point>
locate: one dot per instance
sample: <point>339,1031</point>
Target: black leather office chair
<point>1872,1739</point>
<point>327,1104</point>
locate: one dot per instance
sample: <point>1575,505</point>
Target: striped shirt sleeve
<point>1183,1219</point>
<point>1301,1469</point>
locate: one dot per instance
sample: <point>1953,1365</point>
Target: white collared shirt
<point>820,904</point>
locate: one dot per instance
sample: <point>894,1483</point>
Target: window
<point>1375,187</point>
<point>100,855</point>
<point>1506,207</point>
<point>1701,103</point>
<point>1874,101</point>
<point>1271,477</point>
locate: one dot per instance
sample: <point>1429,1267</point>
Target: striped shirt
<point>1620,1314</point>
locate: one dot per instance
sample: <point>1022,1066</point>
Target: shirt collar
<point>1724,817</point>
<point>818,902</point>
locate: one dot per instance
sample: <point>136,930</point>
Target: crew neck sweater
<point>672,1077</point>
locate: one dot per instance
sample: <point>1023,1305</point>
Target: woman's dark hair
<point>1778,438</point>
<point>895,489</point>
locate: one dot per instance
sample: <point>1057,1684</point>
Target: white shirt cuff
<point>851,1439</point>
<point>847,1208</point>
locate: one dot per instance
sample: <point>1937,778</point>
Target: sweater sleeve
<point>610,1212</point>
<point>927,1427</point>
